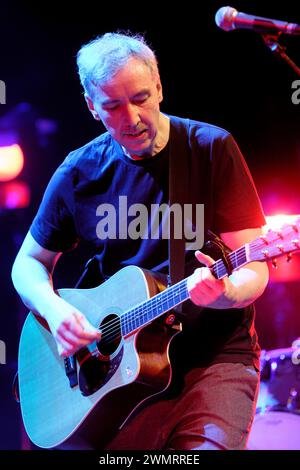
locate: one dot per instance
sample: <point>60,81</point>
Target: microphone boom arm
<point>272,42</point>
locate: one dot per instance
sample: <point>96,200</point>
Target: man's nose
<point>131,115</point>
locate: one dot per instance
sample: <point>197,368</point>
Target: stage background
<point>228,79</point>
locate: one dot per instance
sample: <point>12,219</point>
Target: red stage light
<point>286,271</point>
<point>14,195</point>
<point>275,222</point>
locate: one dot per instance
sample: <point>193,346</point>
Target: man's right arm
<point>32,277</point>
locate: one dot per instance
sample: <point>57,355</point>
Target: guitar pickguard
<point>96,371</point>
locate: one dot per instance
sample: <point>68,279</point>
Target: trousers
<point>214,410</point>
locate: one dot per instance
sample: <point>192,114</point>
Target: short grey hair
<point>100,59</point>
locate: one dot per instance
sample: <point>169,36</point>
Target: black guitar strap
<point>178,194</point>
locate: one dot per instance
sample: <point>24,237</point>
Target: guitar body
<point>113,379</point>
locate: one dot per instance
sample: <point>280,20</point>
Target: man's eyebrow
<point>140,94</point>
<point>108,102</point>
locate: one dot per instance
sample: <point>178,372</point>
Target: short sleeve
<point>236,202</point>
<point>53,226</point>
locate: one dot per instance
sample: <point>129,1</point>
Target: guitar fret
<point>219,269</point>
<point>238,258</point>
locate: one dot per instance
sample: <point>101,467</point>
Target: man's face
<point>128,106</point>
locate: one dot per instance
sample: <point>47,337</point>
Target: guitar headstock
<point>276,243</point>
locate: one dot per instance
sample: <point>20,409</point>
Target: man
<point>216,356</point>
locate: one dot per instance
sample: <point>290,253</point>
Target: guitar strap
<point>178,194</point>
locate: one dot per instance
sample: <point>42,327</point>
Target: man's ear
<point>159,90</point>
<point>91,107</point>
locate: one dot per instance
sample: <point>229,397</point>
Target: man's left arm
<point>238,290</point>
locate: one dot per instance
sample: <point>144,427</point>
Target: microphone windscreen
<point>224,18</point>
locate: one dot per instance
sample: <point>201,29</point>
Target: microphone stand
<point>272,42</point>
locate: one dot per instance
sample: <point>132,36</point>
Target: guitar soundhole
<point>97,369</point>
<point>111,335</point>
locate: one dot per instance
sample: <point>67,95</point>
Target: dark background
<point>229,79</point>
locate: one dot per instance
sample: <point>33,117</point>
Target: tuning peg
<point>279,234</point>
<point>280,248</point>
<point>264,239</point>
<point>274,263</point>
<point>266,254</point>
<point>296,243</point>
<point>289,257</point>
<point>295,228</point>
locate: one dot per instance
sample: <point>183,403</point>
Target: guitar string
<point>163,297</point>
<point>140,312</point>
<point>168,295</point>
<point>132,315</point>
<point>159,298</point>
<point>218,267</point>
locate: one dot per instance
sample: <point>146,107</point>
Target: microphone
<point>229,18</point>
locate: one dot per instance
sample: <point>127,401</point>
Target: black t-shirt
<point>98,193</point>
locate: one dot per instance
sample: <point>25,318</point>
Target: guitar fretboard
<point>168,299</point>
<point>235,260</point>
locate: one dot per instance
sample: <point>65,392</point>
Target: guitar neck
<point>154,307</point>
<point>175,295</point>
<point>236,259</point>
